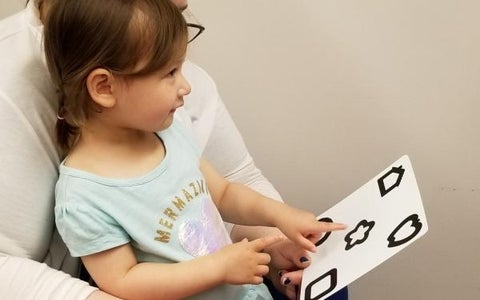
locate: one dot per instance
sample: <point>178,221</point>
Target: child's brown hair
<point>126,37</point>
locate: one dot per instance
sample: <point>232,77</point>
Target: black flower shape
<point>363,225</point>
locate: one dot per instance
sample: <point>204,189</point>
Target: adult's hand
<point>286,267</point>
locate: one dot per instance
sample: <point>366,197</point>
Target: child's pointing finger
<point>260,244</point>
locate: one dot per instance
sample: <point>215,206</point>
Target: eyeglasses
<point>193,26</point>
<point>194,30</point>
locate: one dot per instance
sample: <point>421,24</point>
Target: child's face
<point>148,103</point>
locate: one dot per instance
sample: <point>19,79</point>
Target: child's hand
<point>303,228</point>
<point>245,262</point>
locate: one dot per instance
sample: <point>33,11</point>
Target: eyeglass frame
<point>197,26</point>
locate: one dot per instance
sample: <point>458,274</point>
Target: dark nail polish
<point>280,273</point>
<point>286,281</point>
<point>303,259</point>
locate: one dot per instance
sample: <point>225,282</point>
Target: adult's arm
<point>223,146</point>
<point>23,278</point>
<point>226,150</point>
<point>217,135</point>
<point>29,160</point>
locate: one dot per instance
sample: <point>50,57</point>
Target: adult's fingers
<point>291,278</point>
<point>291,282</point>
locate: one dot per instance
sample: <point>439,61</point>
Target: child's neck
<point>119,154</point>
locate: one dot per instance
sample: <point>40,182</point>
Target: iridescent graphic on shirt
<point>206,234</point>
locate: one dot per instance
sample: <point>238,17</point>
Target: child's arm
<point>117,271</point>
<point>241,205</point>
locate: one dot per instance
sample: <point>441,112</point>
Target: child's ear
<point>100,87</point>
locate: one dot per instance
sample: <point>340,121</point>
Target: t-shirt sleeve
<point>87,230</point>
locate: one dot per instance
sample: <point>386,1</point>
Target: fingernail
<point>280,273</point>
<point>286,281</point>
<point>303,259</point>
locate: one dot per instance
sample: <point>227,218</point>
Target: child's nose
<point>185,88</point>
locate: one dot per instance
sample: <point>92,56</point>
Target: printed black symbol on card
<point>327,234</point>
<point>390,180</point>
<point>413,221</point>
<point>358,235</point>
<point>315,287</point>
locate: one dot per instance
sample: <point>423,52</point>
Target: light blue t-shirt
<point>166,215</point>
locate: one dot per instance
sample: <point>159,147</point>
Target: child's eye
<point>172,72</point>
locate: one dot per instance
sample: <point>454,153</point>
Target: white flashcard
<point>383,216</point>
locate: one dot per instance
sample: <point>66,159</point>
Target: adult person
<point>29,163</point>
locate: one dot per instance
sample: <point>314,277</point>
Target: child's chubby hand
<point>245,262</point>
<point>303,228</point>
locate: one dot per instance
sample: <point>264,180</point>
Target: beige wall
<point>328,93</point>
<point>7,7</point>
